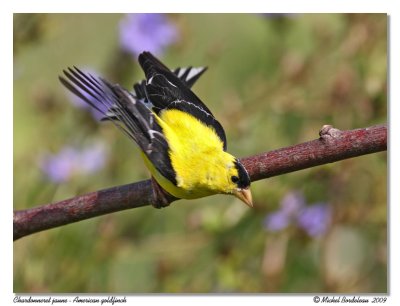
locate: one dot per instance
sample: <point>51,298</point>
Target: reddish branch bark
<point>333,145</point>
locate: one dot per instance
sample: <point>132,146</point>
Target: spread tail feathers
<point>120,106</point>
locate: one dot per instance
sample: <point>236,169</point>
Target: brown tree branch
<point>333,145</point>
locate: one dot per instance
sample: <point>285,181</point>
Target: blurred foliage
<point>273,81</point>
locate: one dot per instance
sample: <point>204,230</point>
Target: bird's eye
<point>234,178</point>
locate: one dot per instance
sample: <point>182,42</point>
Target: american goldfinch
<point>182,143</point>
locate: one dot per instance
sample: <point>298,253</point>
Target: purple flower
<point>79,103</point>
<point>59,167</point>
<point>315,219</point>
<point>146,32</point>
<point>276,221</point>
<point>70,161</point>
<point>292,203</point>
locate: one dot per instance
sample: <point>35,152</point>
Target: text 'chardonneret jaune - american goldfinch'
<point>182,143</point>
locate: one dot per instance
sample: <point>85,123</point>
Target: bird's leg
<point>161,197</point>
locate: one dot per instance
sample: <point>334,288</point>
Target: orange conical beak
<point>244,195</point>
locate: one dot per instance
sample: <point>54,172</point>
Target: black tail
<point>114,102</point>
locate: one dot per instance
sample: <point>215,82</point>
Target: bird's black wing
<point>188,75</point>
<point>139,122</point>
<point>165,90</point>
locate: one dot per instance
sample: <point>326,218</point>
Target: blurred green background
<point>273,81</point>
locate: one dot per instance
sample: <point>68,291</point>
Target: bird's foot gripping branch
<point>161,197</point>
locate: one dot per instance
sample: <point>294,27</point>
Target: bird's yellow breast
<point>197,156</point>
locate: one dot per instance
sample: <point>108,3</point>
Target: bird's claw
<point>161,198</point>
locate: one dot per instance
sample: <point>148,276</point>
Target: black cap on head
<point>243,180</point>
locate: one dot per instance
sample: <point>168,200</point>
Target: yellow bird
<point>182,143</point>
